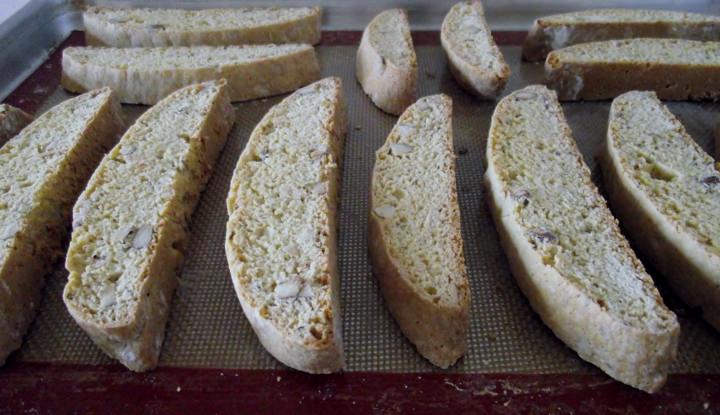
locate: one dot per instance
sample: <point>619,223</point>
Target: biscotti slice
<point>666,192</point>
<point>130,223</point>
<point>415,243</point>
<point>565,248</point>
<point>147,75</point>
<point>675,69</point>
<point>386,65</point>
<point>42,171</point>
<point>475,60</point>
<point>561,30</point>
<point>12,120</point>
<point>281,239</point>
<point>214,27</point>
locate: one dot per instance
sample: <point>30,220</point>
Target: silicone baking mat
<point>208,329</point>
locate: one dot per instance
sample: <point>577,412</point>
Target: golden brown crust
<point>605,80</point>
<point>690,270</point>
<point>476,79</point>
<point>390,87</point>
<point>22,276</point>
<point>102,32</point>
<point>315,356</point>
<point>637,356</point>
<point>136,340</point>
<point>438,332</point>
<point>246,81</point>
<point>437,329</point>
<point>545,35</point>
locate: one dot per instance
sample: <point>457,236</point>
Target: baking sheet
<point>208,329</point>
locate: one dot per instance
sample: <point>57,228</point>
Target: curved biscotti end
<point>12,120</point>
<point>537,43</point>
<point>142,27</point>
<point>664,189</point>
<point>566,80</point>
<point>291,293</point>
<point>612,316</point>
<point>123,259</point>
<point>386,65</point>
<point>475,60</point>
<point>429,302</point>
<point>147,75</point>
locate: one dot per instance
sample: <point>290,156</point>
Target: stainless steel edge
<point>29,36</point>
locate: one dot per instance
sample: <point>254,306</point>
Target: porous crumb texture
<point>645,50</point>
<point>178,27</point>
<point>390,36</point>
<point>207,327</point>
<point>145,187</point>
<point>282,205</point>
<point>414,200</point>
<point>42,171</point>
<point>36,165</point>
<point>561,213</point>
<point>470,37</point>
<point>664,162</point>
<point>12,120</point>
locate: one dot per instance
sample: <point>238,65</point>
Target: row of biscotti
<point>565,248</point>
<point>259,51</point>
<point>124,253</point>
<point>386,65</point>
<point>666,52</point>
<point>599,54</point>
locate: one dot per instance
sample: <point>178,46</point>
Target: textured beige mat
<point>207,326</point>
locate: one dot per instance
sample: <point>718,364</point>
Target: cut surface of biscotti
<point>565,248</point>
<point>130,223</point>
<point>475,60</point>
<point>216,27</point>
<point>42,171</point>
<point>415,241</point>
<point>147,75</point>
<point>676,69</point>
<point>666,191</point>
<point>281,241</point>
<point>386,65</point>
<point>561,30</point>
<point>12,120</point>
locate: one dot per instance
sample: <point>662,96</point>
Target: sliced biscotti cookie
<point>415,243</point>
<point>147,75</point>
<point>676,69</point>
<point>281,239</point>
<point>561,30</point>
<point>130,223</point>
<point>12,120</point>
<point>565,248</point>
<point>475,60</point>
<point>215,27</point>
<point>42,171</point>
<point>386,65</point>
<point>666,192</point>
